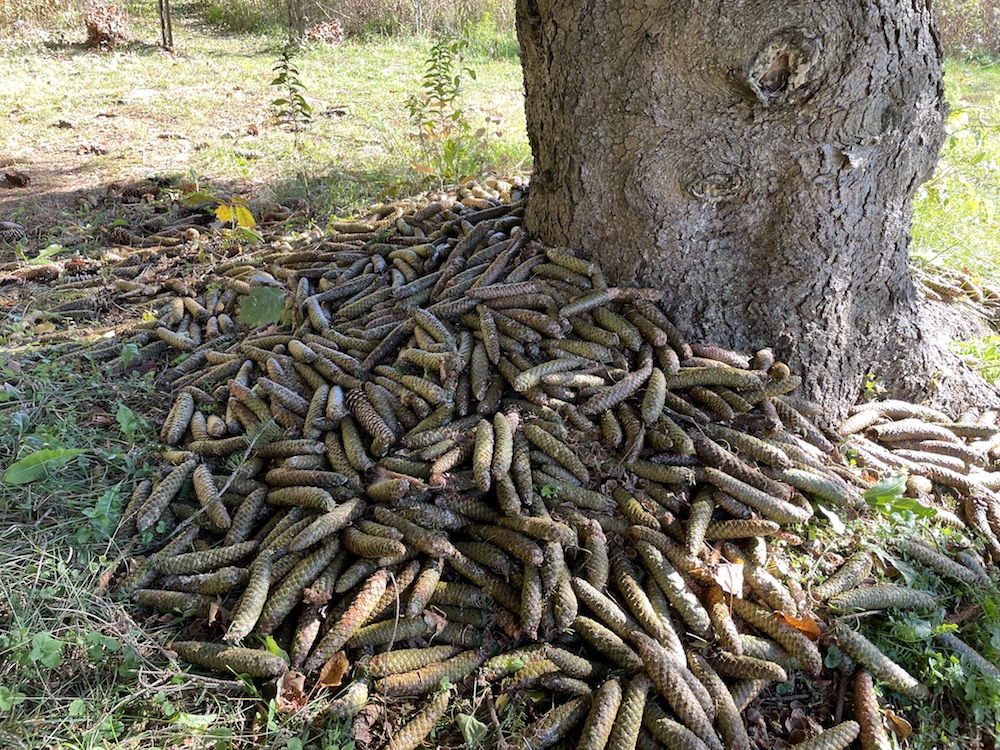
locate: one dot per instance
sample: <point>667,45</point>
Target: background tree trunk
<point>755,160</point>
<point>166,25</point>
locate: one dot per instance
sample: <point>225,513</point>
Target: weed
<point>873,388</point>
<point>451,146</point>
<point>887,497</point>
<point>908,639</point>
<point>292,110</point>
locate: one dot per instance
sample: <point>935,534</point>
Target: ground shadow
<point>77,49</point>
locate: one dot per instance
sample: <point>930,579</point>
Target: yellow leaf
<point>224,213</point>
<point>244,218</point>
<point>47,327</point>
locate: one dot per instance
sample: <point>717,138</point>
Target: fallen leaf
<point>218,614</point>
<point>17,178</point>
<point>105,580</point>
<point>729,576</point>
<point>808,625</point>
<point>435,620</point>
<point>92,148</point>
<point>797,721</point>
<point>899,725</point>
<point>332,673</point>
<point>291,692</point>
<point>365,722</point>
<point>789,538</point>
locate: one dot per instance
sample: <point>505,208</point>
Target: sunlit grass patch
<point>956,220</point>
<point>983,355</point>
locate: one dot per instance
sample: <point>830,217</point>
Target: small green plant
<point>888,498</point>
<point>46,650</point>
<point>130,424</point>
<point>873,387</point>
<point>291,108</point>
<point>10,697</point>
<point>450,144</point>
<point>104,515</point>
<point>292,111</point>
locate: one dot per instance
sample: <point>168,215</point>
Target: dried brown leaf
<point>729,576</point>
<point>900,726</point>
<point>436,620</point>
<point>218,615</point>
<point>315,596</point>
<point>332,673</point>
<point>291,692</point>
<point>807,625</point>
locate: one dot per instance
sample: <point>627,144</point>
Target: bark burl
<point>755,160</point>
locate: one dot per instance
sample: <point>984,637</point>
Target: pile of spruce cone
<point>463,464</point>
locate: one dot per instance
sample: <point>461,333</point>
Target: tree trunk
<point>755,160</point>
<point>166,25</point>
<point>296,20</point>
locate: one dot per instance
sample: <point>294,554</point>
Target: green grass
<point>79,669</point>
<point>193,113</point>
<point>957,212</point>
<point>956,222</point>
<point>68,652</point>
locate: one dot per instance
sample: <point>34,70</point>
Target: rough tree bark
<point>756,160</point>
